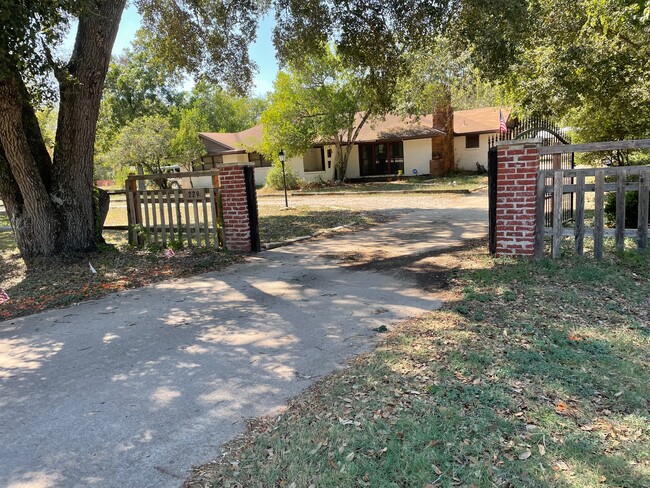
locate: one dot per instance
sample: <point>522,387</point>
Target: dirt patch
<point>430,270</point>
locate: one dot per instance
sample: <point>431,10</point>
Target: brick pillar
<point>518,162</point>
<point>237,231</point>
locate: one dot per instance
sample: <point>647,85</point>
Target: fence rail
<point>561,183</point>
<point>189,217</point>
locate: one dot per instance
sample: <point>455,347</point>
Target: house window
<point>472,141</point>
<point>258,159</point>
<point>314,160</point>
<point>207,163</point>
<point>381,158</point>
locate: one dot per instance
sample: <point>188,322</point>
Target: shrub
<point>631,209</point>
<point>274,177</point>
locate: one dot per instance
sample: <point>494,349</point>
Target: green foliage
<point>631,209</point>
<point>438,70</point>
<point>274,177</point>
<point>585,61</point>
<point>47,121</point>
<point>204,36</point>
<point>317,100</point>
<point>186,146</point>
<point>145,142</point>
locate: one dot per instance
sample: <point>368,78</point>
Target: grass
<point>533,374</point>
<point>279,223</point>
<point>457,182</point>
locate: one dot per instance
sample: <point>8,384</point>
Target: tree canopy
<point>587,60</point>
<point>320,100</point>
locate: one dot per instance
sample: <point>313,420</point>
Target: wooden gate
<point>174,216</point>
<point>597,181</point>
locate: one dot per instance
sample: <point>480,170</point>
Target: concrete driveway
<point>134,389</point>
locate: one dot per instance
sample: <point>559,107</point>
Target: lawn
<point>457,183</point>
<point>533,374</point>
<point>68,280</point>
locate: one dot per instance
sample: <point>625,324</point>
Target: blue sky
<point>261,51</point>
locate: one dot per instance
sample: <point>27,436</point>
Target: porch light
<point>282,157</point>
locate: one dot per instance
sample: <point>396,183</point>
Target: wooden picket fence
<point>163,217</point>
<point>617,179</point>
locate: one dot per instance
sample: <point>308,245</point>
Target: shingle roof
<point>397,127</point>
<point>236,140</point>
<point>478,120</point>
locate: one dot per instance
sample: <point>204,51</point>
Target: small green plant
<point>175,245</point>
<point>274,178</point>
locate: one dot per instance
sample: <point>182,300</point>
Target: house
<point>389,146</point>
<point>472,129</point>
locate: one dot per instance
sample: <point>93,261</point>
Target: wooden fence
<point>161,217</point>
<point>618,179</point>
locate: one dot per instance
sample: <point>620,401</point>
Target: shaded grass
<point>534,374</point>
<point>63,281</point>
<point>280,223</point>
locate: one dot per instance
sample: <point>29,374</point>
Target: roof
<point>478,120</point>
<point>390,127</point>
<point>235,141</point>
<point>393,127</point>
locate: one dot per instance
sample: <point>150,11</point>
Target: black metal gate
<point>551,135</point>
<point>493,164</point>
<point>251,201</point>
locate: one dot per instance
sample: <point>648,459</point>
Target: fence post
<point>518,163</point>
<point>236,219</point>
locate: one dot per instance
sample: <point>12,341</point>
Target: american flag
<point>3,296</point>
<point>502,123</point>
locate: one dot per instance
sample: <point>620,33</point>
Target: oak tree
<point>49,199</point>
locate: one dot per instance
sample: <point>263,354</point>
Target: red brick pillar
<point>516,188</point>
<point>236,225</point>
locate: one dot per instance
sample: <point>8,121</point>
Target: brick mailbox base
<point>518,162</point>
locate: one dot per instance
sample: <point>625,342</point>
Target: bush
<point>631,209</point>
<point>274,177</point>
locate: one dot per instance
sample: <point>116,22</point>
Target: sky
<point>261,51</point>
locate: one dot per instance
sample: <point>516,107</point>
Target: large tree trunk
<point>30,210</point>
<point>81,95</point>
<point>50,204</point>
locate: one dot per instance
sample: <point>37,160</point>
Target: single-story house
<point>472,129</point>
<point>389,146</point>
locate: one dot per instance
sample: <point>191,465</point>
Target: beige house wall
<point>466,159</point>
<point>417,154</point>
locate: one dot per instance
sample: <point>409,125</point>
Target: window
<point>207,163</point>
<point>258,159</point>
<point>314,160</point>
<point>472,141</point>
<point>381,158</point>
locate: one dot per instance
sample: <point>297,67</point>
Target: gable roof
<point>235,141</point>
<point>478,120</point>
